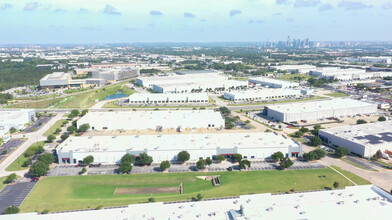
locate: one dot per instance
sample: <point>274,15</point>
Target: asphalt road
<point>10,146</point>
<point>14,194</point>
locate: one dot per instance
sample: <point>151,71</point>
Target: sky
<point>127,21</point>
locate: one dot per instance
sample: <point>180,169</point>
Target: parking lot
<point>70,170</point>
<point>10,146</point>
<point>35,126</point>
<point>14,194</point>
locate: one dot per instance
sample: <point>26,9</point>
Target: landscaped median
<point>20,161</point>
<point>53,130</point>
<point>82,192</point>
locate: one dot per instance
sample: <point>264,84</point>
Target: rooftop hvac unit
<point>90,137</point>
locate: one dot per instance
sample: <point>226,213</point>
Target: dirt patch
<point>129,191</point>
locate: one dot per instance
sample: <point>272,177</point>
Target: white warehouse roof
<point>272,82</point>
<point>129,120</point>
<point>169,97</point>
<point>261,94</point>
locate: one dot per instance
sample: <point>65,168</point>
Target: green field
<point>52,129</point>
<point>357,179</point>
<point>82,100</point>
<point>294,77</point>
<point>17,164</point>
<point>2,184</point>
<point>80,192</point>
<point>336,94</point>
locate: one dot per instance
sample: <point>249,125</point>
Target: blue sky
<point>123,21</point>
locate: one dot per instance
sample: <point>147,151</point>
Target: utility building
<point>108,149</point>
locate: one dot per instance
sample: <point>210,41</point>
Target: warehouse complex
<point>301,69</point>
<point>155,120</point>
<point>116,74</point>
<point>14,119</point>
<point>342,74</point>
<point>319,109</point>
<point>190,81</point>
<point>352,202</point>
<point>64,80</point>
<point>151,98</point>
<point>108,149</point>
<point>364,139</point>
<point>261,95</point>
<point>272,83</point>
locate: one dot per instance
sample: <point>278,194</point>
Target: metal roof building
<point>130,120</point>
<point>364,139</point>
<point>14,119</point>
<point>110,149</point>
<point>314,110</point>
<point>272,83</point>
<point>147,98</point>
<point>262,94</point>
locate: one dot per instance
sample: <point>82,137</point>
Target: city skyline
<point>192,21</point>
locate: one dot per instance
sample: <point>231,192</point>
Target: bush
<point>11,178</point>
<point>315,141</point>
<point>304,130</point>
<point>237,157</point>
<point>220,158</point>
<point>244,164</point>
<point>199,197</point>
<point>341,152</point>
<point>336,185</point>
<point>99,207</point>
<point>277,156</point>
<point>361,121</point>
<point>298,134</point>
<point>165,165</point>
<point>125,167</point>
<point>286,163</point>
<point>51,138</point>
<point>11,210</point>
<point>208,161</point>
<point>13,130</point>
<point>84,127</point>
<point>144,159</point>
<point>200,164</point>
<point>183,156</point>
<point>72,129</point>
<point>130,158</point>
<point>46,211</point>
<point>64,137</point>
<point>58,130</point>
<point>87,160</point>
<point>382,118</point>
<point>151,199</point>
<point>4,152</point>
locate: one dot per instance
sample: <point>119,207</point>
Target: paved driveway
<point>10,146</point>
<point>35,126</point>
<point>14,194</point>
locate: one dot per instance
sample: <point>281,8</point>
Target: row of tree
<point>284,162</point>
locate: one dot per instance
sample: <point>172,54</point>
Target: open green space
<point>52,129</point>
<point>280,102</point>
<point>80,192</point>
<point>2,184</point>
<point>81,100</point>
<point>336,94</point>
<point>17,164</point>
<point>357,179</point>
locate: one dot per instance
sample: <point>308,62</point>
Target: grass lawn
<point>17,164</point>
<point>336,94</point>
<point>279,102</point>
<point>2,184</point>
<point>80,192</point>
<point>294,77</point>
<point>357,179</point>
<point>39,104</point>
<point>52,129</point>
<point>351,163</point>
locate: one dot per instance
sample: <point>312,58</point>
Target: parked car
<point>34,179</point>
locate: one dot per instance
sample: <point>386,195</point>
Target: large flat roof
<point>352,202</point>
<point>321,105</point>
<point>379,133</point>
<point>176,142</point>
<point>273,81</point>
<point>173,96</point>
<point>8,115</point>
<point>57,76</point>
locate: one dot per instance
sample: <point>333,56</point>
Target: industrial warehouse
<point>15,119</point>
<point>148,98</point>
<point>190,81</point>
<point>272,83</point>
<point>153,120</point>
<point>364,139</point>
<point>315,110</point>
<point>110,149</point>
<point>261,95</point>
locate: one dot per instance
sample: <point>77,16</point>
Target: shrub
<point>361,121</point>
<point>11,178</point>
<point>183,156</point>
<point>125,167</point>
<point>200,164</point>
<point>336,185</point>
<point>208,161</point>
<point>382,118</point>
<point>130,158</point>
<point>237,157</point>
<point>199,197</point>
<point>99,207</point>
<point>27,162</point>
<point>64,137</point>
<point>51,138</point>
<point>11,210</point>
<point>165,165</point>
<point>286,163</point>
<point>84,170</point>
<point>277,156</point>
<point>244,164</point>
<point>144,159</point>
<point>45,211</point>
<point>151,199</point>
<point>341,152</point>
<point>89,159</point>
<point>220,158</point>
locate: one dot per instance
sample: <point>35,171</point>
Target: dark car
<point>230,169</point>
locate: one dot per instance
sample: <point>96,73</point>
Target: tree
<point>11,210</point>
<point>199,197</point>
<point>244,164</point>
<point>220,158</point>
<point>46,158</point>
<point>299,134</point>
<point>361,121</point>
<point>84,127</point>
<point>72,129</point>
<point>237,157</point>
<point>248,122</point>
<point>84,170</point>
<point>84,112</point>
<point>336,185</point>
<point>11,178</point>
<point>200,164</point>
<point>165,165</point>
<point>224,110</point>
<point>51,138</point>
<point>341,152</point>
<point>4,152</point>
<point>87,160</point>
<point>378,155</point>
<point>39,169</point>
<point>315,141</point>
<point>130,158</point>
<point>320,153</point>
<point>125,167</point>
<point>40,149</point>
<point>64,137</point>
<point>151,199</point>
<point>382,118</point>
<point>277,156</point>
<point>58,130</point>
<point>208,161</point>
<point>75,112</point>
<point>314,155</point>
<point>144,159</point>
<point>27,162</point>
<point>13,130</point>
<point>183,156</point>
<point>304,130</point>
<point>286,163</point>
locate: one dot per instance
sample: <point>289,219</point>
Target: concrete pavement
<point>31,138</point>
